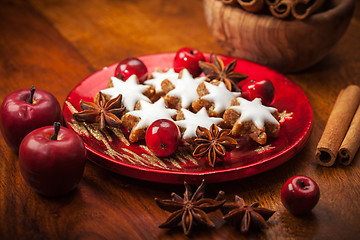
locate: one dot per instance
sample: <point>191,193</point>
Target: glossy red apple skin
<point>130,66</point>
<point>18,117</point>
<point>52,167</point>
<point>263,89</point>
<point>188,58</point>
<point>162,137</point>
<point>300,194</point>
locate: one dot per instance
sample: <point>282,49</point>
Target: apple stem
<point>302,183</point>
<point>57,126</point>
<point>32,91</point>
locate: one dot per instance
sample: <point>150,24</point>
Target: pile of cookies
<point>190,102</point>
<point>195,96</point>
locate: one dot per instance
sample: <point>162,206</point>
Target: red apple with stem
<point>188,58</point>
<point>52,160</point>
<point>300,194</point>
<point>25,110</point>
<point>162,137</point>
<point>130,66</point>
<point>263,89</point>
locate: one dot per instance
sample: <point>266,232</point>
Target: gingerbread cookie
<point>253,119</point>
<point>215,98</point>
<point>131,91</point>
<point>157,77</point>
<point>145,113</point>
<point>181,92</point>
<point>189,121</point>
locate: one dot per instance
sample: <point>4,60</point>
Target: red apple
<point>263,89</point>
<point>162,137</point>
<point>188,58</point>
<point>300,194</point>
<point>131,66</point>
<point>52,160</point>
<point>25,110</point>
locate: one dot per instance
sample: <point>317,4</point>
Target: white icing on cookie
<point>131,91</point>
<point>151,112</point>
<point>220,96</point>
<point>254,111</point>
<point>158,77</point>
<point>193,120</point>
<point>185,88</point>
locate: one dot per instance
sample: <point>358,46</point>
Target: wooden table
<point>55,44</point>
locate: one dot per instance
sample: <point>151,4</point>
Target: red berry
<point>162,137</point>
<point>131,66</point>
<point>263,89</point>
<point>188,58</point>
<point>300,194</point>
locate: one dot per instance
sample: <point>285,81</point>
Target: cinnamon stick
<point>280,8</point>
<point>302,11</point>
<point>337,125</point>
<point>299,9</point>
<point>229,2</point>
<point>351,142</point>
<point>252,5</point>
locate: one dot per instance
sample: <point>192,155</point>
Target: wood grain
<point>55,44</point>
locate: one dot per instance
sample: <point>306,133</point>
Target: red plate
<point>111,150</point>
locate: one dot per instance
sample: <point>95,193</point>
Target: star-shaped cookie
<point>185,88</point>
<point>193,120</point>
<point>151,112</point>
<point>220,96</point>
<point>131,91</point>
<point>255,112</point>
<point>158,77</point>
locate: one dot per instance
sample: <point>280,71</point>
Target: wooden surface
<point>55,44</point>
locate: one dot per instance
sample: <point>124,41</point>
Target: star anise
<point>101,111</point>
<point>190,209</point>
<point>242,215</point>
<point>215,70</point>
<point>213,143</point>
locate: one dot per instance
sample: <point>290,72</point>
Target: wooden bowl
<point>286,45</point>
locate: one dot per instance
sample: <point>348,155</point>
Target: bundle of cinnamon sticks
<point>341,137</point>
<point>299,9</point>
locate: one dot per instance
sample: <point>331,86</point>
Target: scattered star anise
<point>101,111</point>
<point>213,143</point>
<point>215,70</point>
<point>242,215</point>
<point>190,209</point>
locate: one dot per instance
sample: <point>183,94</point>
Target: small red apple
<point>300,194</point>
<point>52,160</point>
<point>162,137</point>
<point>131,66</point>
<point>25,110</point>
<point>188,58</point>
<point>263,89</point>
